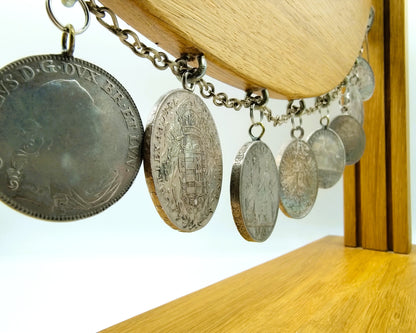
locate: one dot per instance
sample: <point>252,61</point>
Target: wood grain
<point>351,223</point>
<point>372,166</point>
<point>322,287</point>
<point>294,48</point>
<point>398,133</point>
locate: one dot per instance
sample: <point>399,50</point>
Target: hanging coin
<point>329,152</point>
<point>254,191</point>
<point>366,82</point>
<point>355,105</point>
<point>183,161</point>
<point>70,137</point>
<point>298,178</point>
<point>352,135</point>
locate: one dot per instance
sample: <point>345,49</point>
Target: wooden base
<point>322,287</point>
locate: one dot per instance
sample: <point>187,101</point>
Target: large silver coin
<point>254,191</point>
<point>366,81</point>
<point>183,161</point>
<point>355,104</point>
<point>298,179</point>
<point>352,135</point>
<point>330,155</point>
<point>70,138</point>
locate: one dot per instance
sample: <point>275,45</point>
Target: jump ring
<point>252,114</point>
<point>296,129</point>
<point>63,27</point>
<point>250,131</point>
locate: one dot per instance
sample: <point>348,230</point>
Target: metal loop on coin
<point>252,108</point>
<point>63,27</point>
<point>324,121</point>
<point>297,129</point>
<point>292,120</point>
<point>250,131</point>
<point>190,86</point>
<point>68,40</point>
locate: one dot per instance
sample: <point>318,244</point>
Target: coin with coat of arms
<point>183,160</point>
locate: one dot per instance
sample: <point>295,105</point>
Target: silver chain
<point>107,18</point>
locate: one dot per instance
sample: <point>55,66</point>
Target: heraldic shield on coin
<point>183,161</point>
<point>254,191</point>
<point>70,138</point>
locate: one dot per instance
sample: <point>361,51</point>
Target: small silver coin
<point>366,81</point>
<point>298,179</point>
<point>254,191</point>
<point>183,161</point>
<point>330,155</point>
<point>352,135</point>
<point>70,138</point>
<point>355,105</point>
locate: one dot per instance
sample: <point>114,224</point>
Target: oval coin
<point>254,191</point>
<point>329,152</point>
<point>366,81</point>
<point>183,161</point>
<point>298,179</point>
<point>352,135</point>
<point>70,138</point>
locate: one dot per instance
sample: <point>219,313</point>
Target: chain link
<point>107,18</point>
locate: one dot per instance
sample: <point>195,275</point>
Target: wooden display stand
<point>312,45</point>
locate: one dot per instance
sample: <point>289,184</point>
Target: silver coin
<point>70,138</point>
<point>254,191</point>
<point>330,156</point>
<point>298,179</point>
<point>352,135</point>
<point>183,161</point>
<point>366,81</point>
<point>355,105</point>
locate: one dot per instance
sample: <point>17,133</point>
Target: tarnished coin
<point>254,191</point>
<point>355,105</point>
<point>329,152</point>
<point>366,81</point>
<point>70,138</point>
<point>183,161</point>
<point>352,135</point>
<point>298,179</point>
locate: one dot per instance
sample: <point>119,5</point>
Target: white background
<point>87,275</point>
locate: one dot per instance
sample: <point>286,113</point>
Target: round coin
<point>254,191</point>
<point>329,152</point>
<point>366,81</point>
<point>70,138</point>
<point>298,179</point>
<point>352,135</point>
<point>183,161</point>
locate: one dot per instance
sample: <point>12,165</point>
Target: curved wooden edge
<point>295,49</point>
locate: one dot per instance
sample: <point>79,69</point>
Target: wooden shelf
<point>294,48</point>
<point>322,287</point>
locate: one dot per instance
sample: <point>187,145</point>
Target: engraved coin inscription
<point>254,191</point>
<point>352,135</point>
<point>298,179</point>
<point>70,138</point>
<point>329,152</point>
<point>183,161</point>
<point>366,81</point>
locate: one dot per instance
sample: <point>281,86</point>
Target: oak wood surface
<point>398,133</point>
<point>351,223</point>
<point>322,287</point>
<point>294,48</point>
<point>372,166</point>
